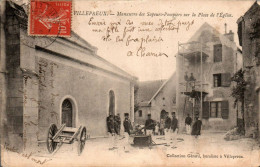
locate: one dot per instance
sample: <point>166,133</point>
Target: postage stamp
<point>50,18</point>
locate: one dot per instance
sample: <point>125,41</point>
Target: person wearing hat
<point>174,125</point>
<point>111,125</point>
<point>127,124</point>
<point>149,125</point>
<point>117,124</point>
<point>167,126</point>
<point>196,127</point>
<point>188,121</point>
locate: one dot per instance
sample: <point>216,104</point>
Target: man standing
<point>167,126</point>
<point>174,126</point>
<point>111,130</point>
<point>149,125</point>
<point>188,122</point>
<point>118,123</point>
<point>111,125</point>
<point>127,128</point>
<point>127,124</point>
<point>196,127</point>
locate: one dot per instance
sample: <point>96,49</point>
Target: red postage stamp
<point>50,18</point>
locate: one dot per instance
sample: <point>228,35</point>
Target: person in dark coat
<point>127,124</point>
<point>188,122</point>
<point>149,125</point>
<point>196,128</point>
<point>111,125</point>
<point>174,126</point>
<point>117,123</point>
<point>167,126</point>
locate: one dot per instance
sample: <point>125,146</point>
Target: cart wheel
<point>82,140</point>
<point>51,145</point>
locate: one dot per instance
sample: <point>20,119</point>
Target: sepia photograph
<point>130,83</point>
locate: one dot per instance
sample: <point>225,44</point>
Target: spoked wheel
<point>82,140</point>
<point>51,145</point>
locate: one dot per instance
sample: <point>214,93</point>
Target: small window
<point>215,110</point>
<point>140,113</point>
<point>217,53</point>
<point>217,80</point>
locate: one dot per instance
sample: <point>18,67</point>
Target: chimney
<point>229,35</point>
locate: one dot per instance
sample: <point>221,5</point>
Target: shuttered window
<point>225,79</point>
<point>217,80</point>
<point>205,110</point>
<point>222,80</point>
<point>218,53</point>
<point>225,109</point>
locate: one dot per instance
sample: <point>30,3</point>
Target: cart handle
<point>59,131</point>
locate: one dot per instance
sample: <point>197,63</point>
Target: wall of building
<point>88,90</point>
<point>165,99</point>
<point>40,77</point>
<point>251,59</point>
<point>14,80</point>
<point>145,111</point>
<point>209,67</point>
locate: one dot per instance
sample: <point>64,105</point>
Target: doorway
<point>163,114</point>
<point>67,113</point>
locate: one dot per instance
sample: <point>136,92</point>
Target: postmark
<point>50,18</point>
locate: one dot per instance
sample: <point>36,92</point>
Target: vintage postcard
<point>130,83</point>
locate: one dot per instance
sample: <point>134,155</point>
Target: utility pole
<point>201,78</point>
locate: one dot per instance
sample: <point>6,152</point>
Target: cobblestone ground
<point>209,149</point>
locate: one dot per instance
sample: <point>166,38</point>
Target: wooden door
<point>67,113</point>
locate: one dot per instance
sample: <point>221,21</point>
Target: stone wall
<point>250,38</point>
<point>14,106</point>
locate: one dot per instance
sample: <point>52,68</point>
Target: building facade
<point>204,68</point>
<point>249,39</point>
<point>156,98</point>
<point>57,80</point>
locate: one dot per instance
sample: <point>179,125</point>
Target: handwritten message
<point>142,34</point>
<point>28,156</point>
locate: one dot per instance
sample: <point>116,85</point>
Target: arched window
<point>67,114</point>
<point>111,103</point>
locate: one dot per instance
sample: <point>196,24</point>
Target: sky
<point>151,68</point>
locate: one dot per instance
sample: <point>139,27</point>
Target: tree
<point>238,92</point>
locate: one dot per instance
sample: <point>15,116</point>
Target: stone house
<point>155,98</point>
<point>212,58</point>
<point>249,39</point>
<point>57,80</point>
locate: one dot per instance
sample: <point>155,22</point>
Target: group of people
<point>169,126</point>
<point>196,127</point>
<point>166,126</point>
<point>114,124</point>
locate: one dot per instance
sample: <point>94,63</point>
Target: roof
<point>216,35</point>
<point>147,89</point>
<point>158,91</point>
